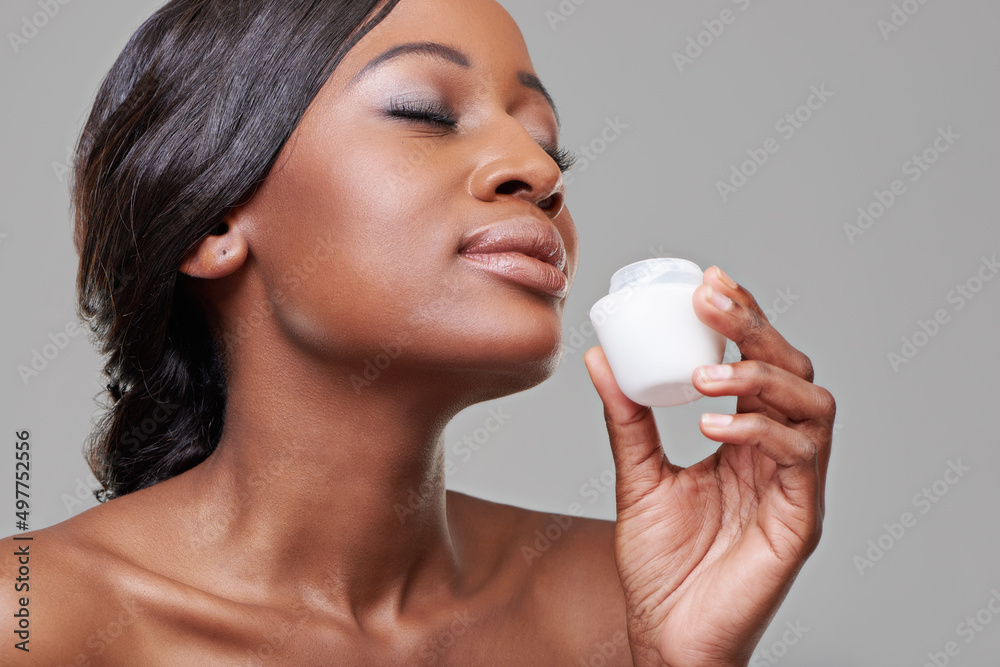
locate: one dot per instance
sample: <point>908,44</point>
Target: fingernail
<point>726,280</point>
<point>718,299</point>
<point>709,419</point>
<point>721,372</point>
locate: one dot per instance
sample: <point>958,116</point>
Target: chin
<point>525,367</point>
<point>499,383</point>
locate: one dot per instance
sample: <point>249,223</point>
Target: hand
<point>706,554</point>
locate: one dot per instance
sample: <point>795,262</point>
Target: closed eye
<point>440,115</point>
<point>427,111</point>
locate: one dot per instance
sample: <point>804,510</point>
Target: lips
<point>526,251</point>
<point>527,236</point>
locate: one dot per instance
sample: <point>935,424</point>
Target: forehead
<point>482,29</point>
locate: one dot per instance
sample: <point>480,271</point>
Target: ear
<point>217,255</point>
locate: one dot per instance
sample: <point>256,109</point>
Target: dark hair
<point>188,122</point>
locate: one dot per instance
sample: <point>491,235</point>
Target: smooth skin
<point>320,531</point>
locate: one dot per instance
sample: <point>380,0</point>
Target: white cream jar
<point>650,334</point>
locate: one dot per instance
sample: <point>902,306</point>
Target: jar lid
<point>657,270</point>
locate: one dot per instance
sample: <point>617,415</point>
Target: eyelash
<point>431,112</point>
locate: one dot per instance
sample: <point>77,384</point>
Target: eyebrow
<point>451,54</point>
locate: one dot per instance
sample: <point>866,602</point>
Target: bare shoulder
<point>55,592</point>
<point>568,563</point>
<point>70,596</point>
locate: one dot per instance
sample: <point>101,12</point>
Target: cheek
<point>354,249</point>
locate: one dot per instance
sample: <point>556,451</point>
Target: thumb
<point>635,442</point>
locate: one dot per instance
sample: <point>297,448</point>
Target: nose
<point>519,168</point>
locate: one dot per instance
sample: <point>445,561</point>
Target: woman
<point>252,231</point>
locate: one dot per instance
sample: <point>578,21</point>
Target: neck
<point>323,489</point>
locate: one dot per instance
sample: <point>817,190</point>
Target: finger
<point>733,312</point>
<point>795,452</point>
<point>790,395</point>
<point>635,442</point>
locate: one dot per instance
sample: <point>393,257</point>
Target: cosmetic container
<point>650,334</point>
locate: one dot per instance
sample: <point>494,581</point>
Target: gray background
<point>653,192</point>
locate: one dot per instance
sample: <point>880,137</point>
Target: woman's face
<point>356,233</point>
